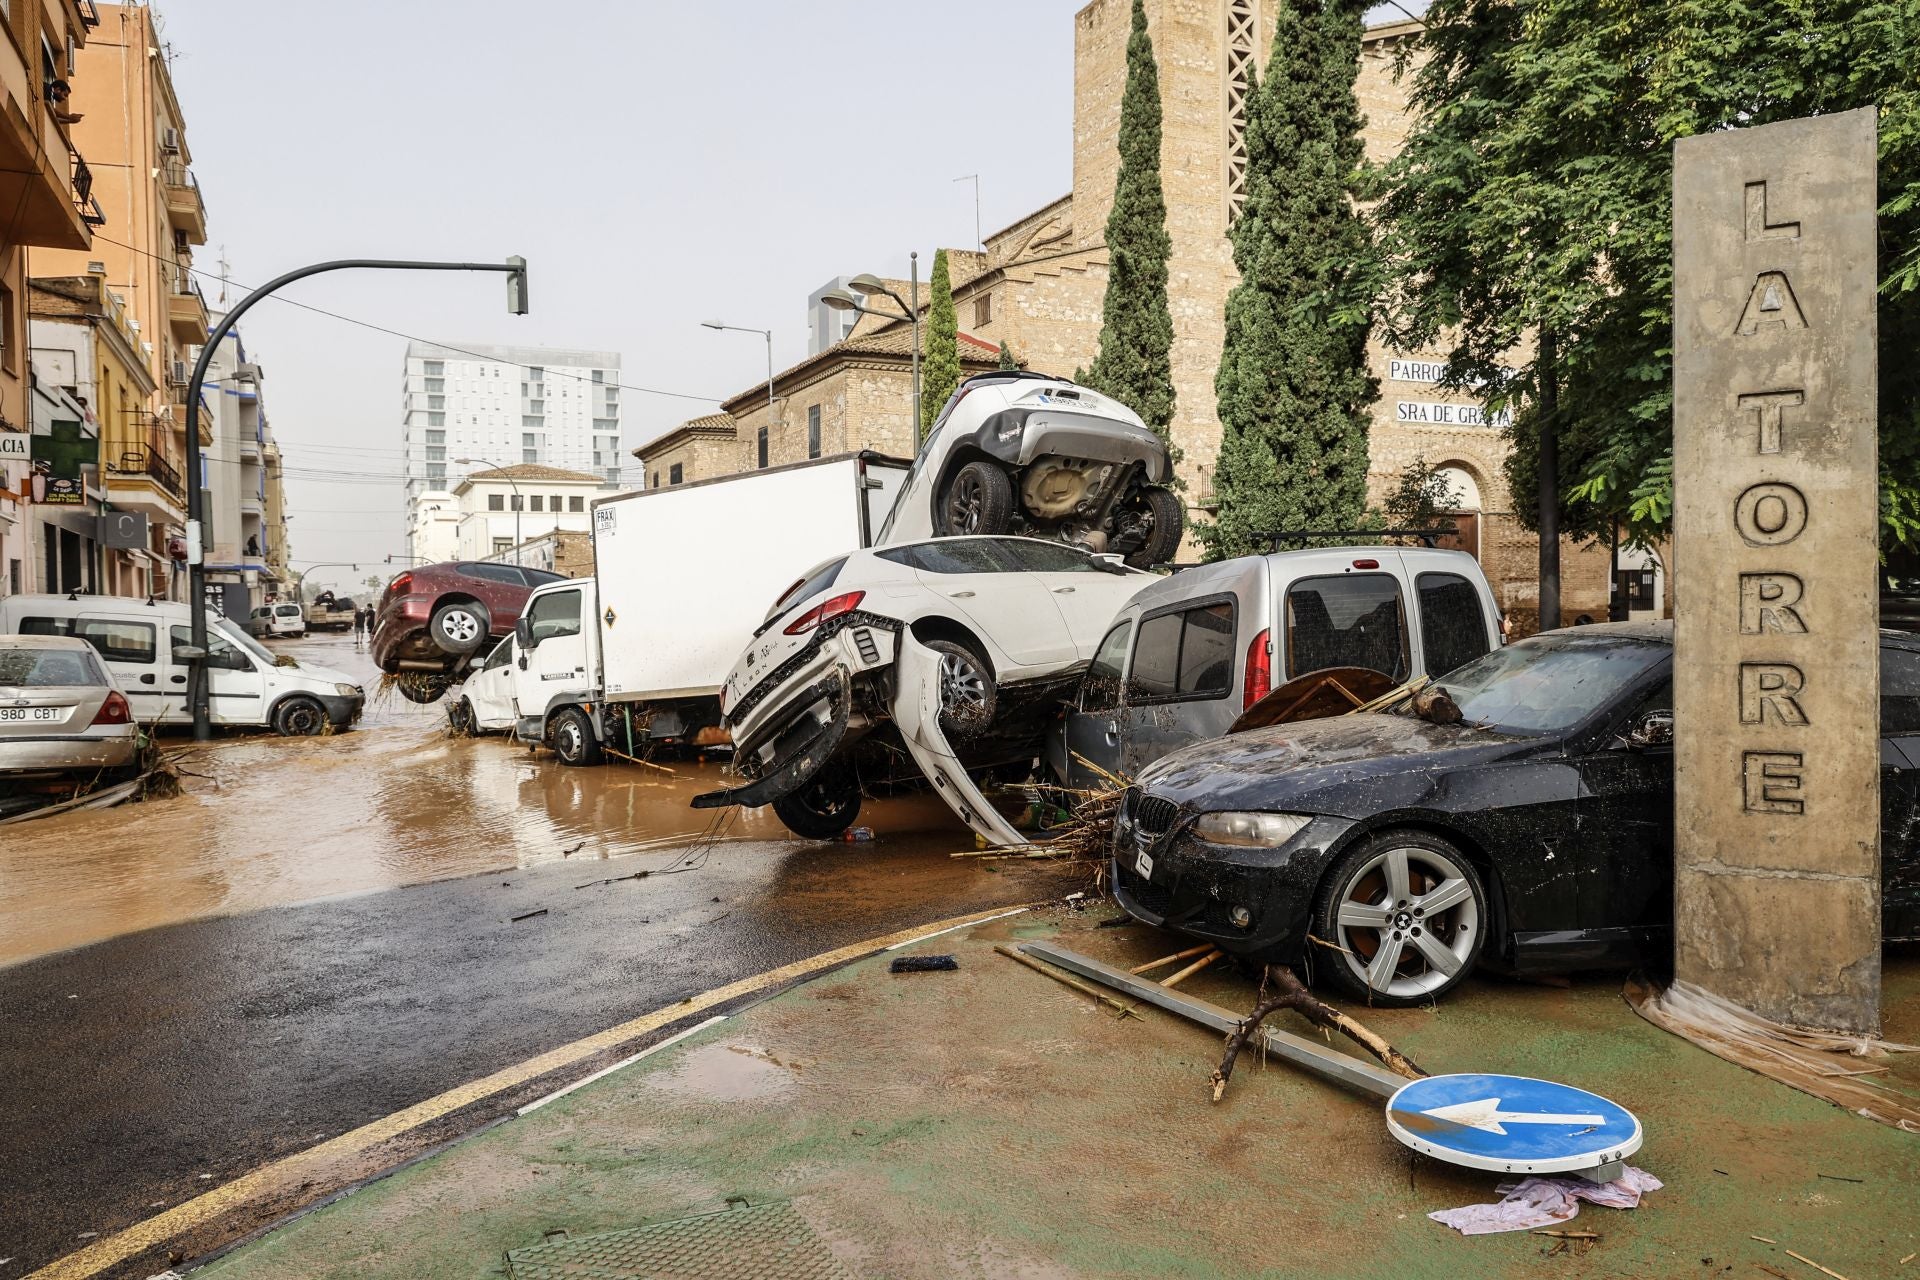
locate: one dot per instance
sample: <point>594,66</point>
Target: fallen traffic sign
<point>1512,1124</point>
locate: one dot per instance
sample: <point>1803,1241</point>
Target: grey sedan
<point>60,711</point>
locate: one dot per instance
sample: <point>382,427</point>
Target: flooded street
<point>267,821</point>
<point>322,931</point>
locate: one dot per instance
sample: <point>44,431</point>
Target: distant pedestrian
<point>362,620</point>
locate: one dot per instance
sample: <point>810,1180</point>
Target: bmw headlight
<point>1254,830</point>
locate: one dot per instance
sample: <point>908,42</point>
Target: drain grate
<point>759,1242</point>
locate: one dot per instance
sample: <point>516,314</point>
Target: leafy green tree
<point>1531,211</point>
<point>1006,357</point>
<point>1135,364</point>
<point>940,362</point>
<point>1294,391</point>
<point>1420,496</point>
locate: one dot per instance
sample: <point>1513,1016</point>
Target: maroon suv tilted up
<point>432,620</point>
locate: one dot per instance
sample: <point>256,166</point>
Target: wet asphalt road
<point>154,1066</point>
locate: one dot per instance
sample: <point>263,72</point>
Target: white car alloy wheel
<point>1407,920</point>
<point>963,687</point>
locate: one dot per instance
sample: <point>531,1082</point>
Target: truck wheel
<point>968,693</point>
<point>979,499</point>
<point>824,807</point>
<point>299,718</point>
<point>1164,518</point>
<point>458,627</point>
<point>573,739</point>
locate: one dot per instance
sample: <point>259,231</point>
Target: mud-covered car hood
<point>1349,766</point>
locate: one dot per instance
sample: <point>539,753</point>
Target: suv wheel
<point>824,807</point>
<point>459,627</point>
<point>979,499</point>
<point>1158,518</point>
<point>1407,912</point>
<point>422,686</point>
<point>573,739</point>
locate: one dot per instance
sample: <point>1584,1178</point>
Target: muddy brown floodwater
<point>267,821</point>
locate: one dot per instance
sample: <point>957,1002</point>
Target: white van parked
<point>279,620</point>
<point>142,642</point>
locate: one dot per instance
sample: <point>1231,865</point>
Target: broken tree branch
<point>1291,994</point>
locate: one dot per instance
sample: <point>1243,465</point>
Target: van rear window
<point>1453,629</point>
<point>1353,620</point>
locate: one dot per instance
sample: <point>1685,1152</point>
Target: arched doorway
<point>1464,514</point>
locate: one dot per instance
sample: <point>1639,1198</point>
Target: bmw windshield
<point>1549,684</point>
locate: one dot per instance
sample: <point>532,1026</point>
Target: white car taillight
<point>828,609</point>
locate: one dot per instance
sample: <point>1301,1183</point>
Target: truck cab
<point>556,671</point>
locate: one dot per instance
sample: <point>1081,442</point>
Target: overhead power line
<point>380,328</point>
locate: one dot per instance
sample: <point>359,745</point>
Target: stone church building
<point>1039,284</point>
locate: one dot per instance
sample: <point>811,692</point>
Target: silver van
<point>1192,651</point>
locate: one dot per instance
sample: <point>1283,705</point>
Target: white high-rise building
<point>501,406</point>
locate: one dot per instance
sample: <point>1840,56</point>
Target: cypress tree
<point>940,372</point>
<point>1006,357</point>
<point>1294,390</point>
<point>1135,364</point>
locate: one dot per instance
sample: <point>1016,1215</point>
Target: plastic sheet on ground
<point>1542,1202</point>
<point>1823,1063</point>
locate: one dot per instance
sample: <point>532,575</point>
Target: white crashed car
<point>1029,453</point>
<point>958,649</point>
<point>485,701</point>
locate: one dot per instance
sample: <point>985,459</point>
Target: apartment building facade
<point>48,185</point>
<point>132,127</point>
<point>504,407</point>
<point>246,563</point>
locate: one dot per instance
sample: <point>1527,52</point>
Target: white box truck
<point>683,575</point>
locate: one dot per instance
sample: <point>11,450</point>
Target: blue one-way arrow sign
<point>1511,1124</point>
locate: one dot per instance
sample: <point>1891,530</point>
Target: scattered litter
<point>1763,1240</point>
<point>1114,923</point>
<point>857,835</point>
<point>568,853</point>
<point>1838,1177</point>
<point>88,1235</point>
<point>1909,1258</point>
<point>638,875</point>
<point>1539,1202</point>
<point>922,964</point>
<point>526,915</point>
<point>1124,1010</point>
<point>1795,1056</point>
<point>1816,1266</point>
<point>1570,1235</point>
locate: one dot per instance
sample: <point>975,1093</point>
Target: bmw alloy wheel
<point>1407,921</point>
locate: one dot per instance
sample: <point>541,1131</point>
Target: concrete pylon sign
<point>1775,478</point>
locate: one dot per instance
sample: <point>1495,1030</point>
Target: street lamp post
<point>768,335</point>
<point>516,273</point>
<point>868,286</point>
<point>518,501</point>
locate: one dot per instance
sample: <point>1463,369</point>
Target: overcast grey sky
<point>657,163</point>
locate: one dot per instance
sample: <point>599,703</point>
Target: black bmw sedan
<point>1393,852</point>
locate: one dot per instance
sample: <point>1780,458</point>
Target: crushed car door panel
<point>1089,745</point>
<point>1180,681</point>
<point>916,713</point>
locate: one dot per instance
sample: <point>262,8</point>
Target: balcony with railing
<point>142,479</point>
<point>186,309</point>
<point>186,211</point>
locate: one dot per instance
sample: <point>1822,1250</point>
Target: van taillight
<point>114,710</point>
<point>1366,564</point>
<point>821,612</point>
<point>1259,669</point>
